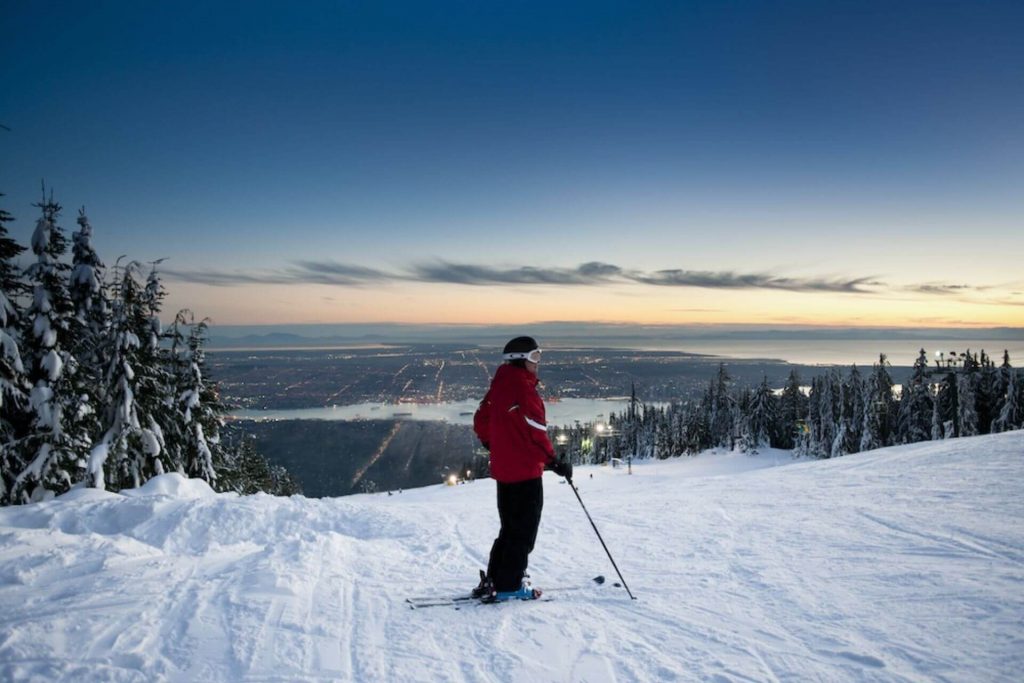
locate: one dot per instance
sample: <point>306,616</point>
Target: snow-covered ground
<point>903,564</point>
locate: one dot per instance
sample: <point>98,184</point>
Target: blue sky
<point>754,143</point>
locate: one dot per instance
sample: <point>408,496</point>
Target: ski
<point>439,601</point>
<point>465,598</point>
<point>460,602</point>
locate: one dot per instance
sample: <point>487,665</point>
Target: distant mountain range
<point>309,336</point>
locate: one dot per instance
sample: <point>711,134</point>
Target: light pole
<point>602,432</point>
<point>561,439</point>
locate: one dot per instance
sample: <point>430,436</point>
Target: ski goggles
<point>532,356</point>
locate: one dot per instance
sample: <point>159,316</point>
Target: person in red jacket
<point>511,424</point>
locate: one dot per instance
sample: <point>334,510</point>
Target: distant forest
<point>962,395</point>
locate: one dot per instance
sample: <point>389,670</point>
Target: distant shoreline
<point>899,352</point>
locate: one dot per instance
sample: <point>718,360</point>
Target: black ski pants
<point>519,508</point>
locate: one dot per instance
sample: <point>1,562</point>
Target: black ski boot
<point>485,589</point>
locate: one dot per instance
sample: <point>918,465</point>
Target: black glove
<point>562,468</point>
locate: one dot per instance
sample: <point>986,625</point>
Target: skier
<point>510,423</point>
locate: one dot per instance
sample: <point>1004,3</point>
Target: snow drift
<point>894,565</point>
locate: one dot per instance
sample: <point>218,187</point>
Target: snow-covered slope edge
<point>899,564</point>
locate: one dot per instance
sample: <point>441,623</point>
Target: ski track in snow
<point>901,564</point>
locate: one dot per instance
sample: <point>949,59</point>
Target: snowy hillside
<point>895,565</point>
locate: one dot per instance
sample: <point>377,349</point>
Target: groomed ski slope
<point>903,564</point>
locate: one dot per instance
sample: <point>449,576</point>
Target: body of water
<point>562,413</point>
<point>846,352</point>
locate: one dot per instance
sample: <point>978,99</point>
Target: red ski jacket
<point>511,423</point>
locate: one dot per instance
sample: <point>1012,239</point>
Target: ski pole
<point>574,490</point>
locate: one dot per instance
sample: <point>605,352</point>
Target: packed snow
<point>901,564</point>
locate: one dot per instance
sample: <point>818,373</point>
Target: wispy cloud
<point>333,273</point>
<point>730,280</point>
<point>301,272</point>
<point>467,274</point>
<point>594,273</point>
<point>226,278</point>
<point>941,289</point>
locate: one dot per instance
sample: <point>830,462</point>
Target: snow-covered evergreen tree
<point>915,412</point>
<point>1005,371</point>
<point>12,370</point>
<point>827,422</point>
<point>988,394</point>
<point>852,417</point>
<point>698,429</point>
<point>938,430</point>
<point>721,412</point>
<point>246,471</point>
<point>14,383</point>
<point>59,403</point>
<point>759,419</point>
<point>967,413</point>
<point>90,321</point>
<point>879,407</point>
<point>792,411</point>
<point>858,401</point>
<point>159,399</point>
<point>92,310</point>
<point>810,441</point>
<point>946,402</point>
<point>1011,412</point>
<point>841,440</point>
<point>129,452</point>
<point>199,406</point>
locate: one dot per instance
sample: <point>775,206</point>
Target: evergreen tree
<point>1005,372</point>
<point>1011,412</point>
<point>879,408</point>
<point>792,411</point>
<point>698,429</point>
<point>245,471</point>
<point>828,422</point>
<point>92,309</point>
<point>811,441</point>
<point>759,419</point>
<point>843,401</point>
<point>853,406</point>
<point>988,394</point>
<point>938,430</point>
<point>159,396</point>
<point>14,384</point>
<point>721,418</point>
<point>946,400</point>
<point>202,413</point>
<point>59,402</point>
<point>129,452</point>
<point>967,413</point>
<point>674,441</point>
<point>89,322</point>
<point>915,413</point>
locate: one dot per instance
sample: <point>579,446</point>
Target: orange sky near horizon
<point>431,303</point>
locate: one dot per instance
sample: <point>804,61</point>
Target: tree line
<point>834,416</point>
<point>94,391</point>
